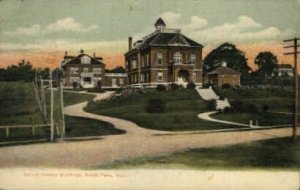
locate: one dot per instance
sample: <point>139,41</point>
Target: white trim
<point>158,69</point>
<point>115,74</point>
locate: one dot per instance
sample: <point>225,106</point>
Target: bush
<point>211,105</point>
<point>239,106</point>
<point>191,85</point>
<point>174,86</point>
<point>226,86</point>
<point>156,106</point>
<point>265,108</point>
<point>161,88</point>
<point>75,85</point>
<point>99,84</point>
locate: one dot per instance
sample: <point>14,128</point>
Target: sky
<point>40,31</point>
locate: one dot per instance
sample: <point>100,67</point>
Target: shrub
<point>228,110</point>
<point>237,105</point>
<point>75,85</point>
<point>174,86</point>
<point>99,84</point>
<point>265,108</point>
<point>226,86</point>
<point>191,85</point>
<point>250,108</point>
<point>211,105</point>
<point>156,106</point>
<point>161,88</point>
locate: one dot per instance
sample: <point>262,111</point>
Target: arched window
<point>178,58</point>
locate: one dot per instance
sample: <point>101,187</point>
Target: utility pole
<point>62,108</point>
<point>295,53</point>
<point>51,109</point>
<point>43,98</point>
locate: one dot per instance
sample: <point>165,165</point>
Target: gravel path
<point>135,142</point>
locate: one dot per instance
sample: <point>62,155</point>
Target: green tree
<point>117,69</point>
<point>267,64</point>
<point>229,54</point>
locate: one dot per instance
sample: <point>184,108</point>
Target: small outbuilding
<point>223,75</point>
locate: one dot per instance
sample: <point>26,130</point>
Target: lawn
<point>277,100</point>
<point>280,153</point>
<point>18,106</point>
<point>82,127</point>
<point>182,108</point>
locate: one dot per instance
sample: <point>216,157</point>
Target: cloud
<point>69,24</point>
<point>63,45</point>
<point>171,17</point>
<point>34,29</point>
<point>243,30</point>
<point>197,23</point>
<point>66,24</point>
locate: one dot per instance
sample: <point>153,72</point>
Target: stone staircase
<point>208,94</point>
<point>222,104</point>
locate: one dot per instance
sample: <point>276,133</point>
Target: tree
<point>229,54</point>
<point>267,64</point>
<point>117,69</point>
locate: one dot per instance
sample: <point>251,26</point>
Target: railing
<point>8,127</point>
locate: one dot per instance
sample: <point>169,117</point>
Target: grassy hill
<point>18,106</point>
<point>182,108</point>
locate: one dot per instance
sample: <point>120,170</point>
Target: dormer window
<point>178,58</point>
<point>159,58</point>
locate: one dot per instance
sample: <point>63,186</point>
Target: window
<point>178,58</point>
<point>121,81</point>
<point>87,79</point>
<point>85,70</point>
<point>194,77</point>
<point>74,79</point>
<point>193,58</point>
<point>142,77</point>
<point>143,60</point>
<point>160,76</point>
<point>159,58</point>
<point>133,64</point>
<point>147,59</point>
<point>113,82</point>
<point>97,70</point>
<point>74,70</point>
<point>85,60</point>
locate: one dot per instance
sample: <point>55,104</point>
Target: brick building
<point>85,71</point>
<point>163,57</point>
<point>223,75</point>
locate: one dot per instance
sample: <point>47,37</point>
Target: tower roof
<point>160,22</point>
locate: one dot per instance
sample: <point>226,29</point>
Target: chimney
<point>94,55</point>
<point>129,43</point>
<point>66,53</point>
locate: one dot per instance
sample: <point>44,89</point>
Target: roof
<point>77,60</point>
<point>160,22</point>
<point>224,71</point>
<point>166,39</point>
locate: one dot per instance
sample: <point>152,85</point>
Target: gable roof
<point>77,60</point>
<point>166,39</point>
<point>224,71</point>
